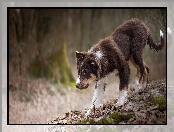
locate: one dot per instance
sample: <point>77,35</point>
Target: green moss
<point>60,67</point>
<point>161,101</point>
<point>114,118</point>
<point>57,68</point>
<point>119,118</point>
<point>87,121</point>
<point>105,121</point>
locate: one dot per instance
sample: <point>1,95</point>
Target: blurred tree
<point>37,44</point>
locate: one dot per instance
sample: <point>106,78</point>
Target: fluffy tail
<point>154,45</point>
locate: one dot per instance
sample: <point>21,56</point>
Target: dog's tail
<point>154,45</point>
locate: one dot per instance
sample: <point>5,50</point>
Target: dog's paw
<point>119,104</point>
<point>143,86</point>
<point>135,85</point>
<point>138,86</point>
<point>122,98</point>
<point>88,113</point>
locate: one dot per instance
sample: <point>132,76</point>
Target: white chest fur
<point>100,88</point>
<point>109,78</point>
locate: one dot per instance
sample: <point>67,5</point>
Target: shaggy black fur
<point>124,44</point>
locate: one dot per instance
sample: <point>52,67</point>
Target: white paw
<point>119,104</point>
<point>134,85</point>
<point>143,86</point>
<point>88,112</point>
<point>122,98</point>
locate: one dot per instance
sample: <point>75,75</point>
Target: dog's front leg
<point>124,74</point>
<point>121,98</point>
<point>97,97</point>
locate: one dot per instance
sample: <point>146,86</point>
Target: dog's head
<point>88,66</point>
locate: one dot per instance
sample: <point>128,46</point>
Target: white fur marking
<point>161,34</point>
<point>135,84</point>
<point>88,112</point>
<point>122,97</point>
<point>99,91</point>
<point>78,80</point>
<point>169,31</point>
<point>99,54</point>
<point>98,94</point>
<point>144,85</point>
<point>97,97</point>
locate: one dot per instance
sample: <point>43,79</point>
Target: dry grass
<point>37,101</point>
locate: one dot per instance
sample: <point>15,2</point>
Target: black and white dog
<point>110,56</point>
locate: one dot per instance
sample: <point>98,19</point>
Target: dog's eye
<point>80,58</point>
<point>85,70</point>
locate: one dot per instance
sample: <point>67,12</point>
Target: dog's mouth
<point>80,86</point>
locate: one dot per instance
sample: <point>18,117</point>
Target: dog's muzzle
<point>80,86</point>
<point>77,85</point>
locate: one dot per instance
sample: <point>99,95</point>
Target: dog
<point>109,58</point>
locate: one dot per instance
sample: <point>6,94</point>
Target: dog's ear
<point>79,56</point>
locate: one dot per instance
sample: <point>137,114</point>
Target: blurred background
<point>41,55</point>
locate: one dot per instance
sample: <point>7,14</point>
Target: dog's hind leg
<point>145,76</point>
<point>141,79</point>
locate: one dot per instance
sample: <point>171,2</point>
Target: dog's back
<point>130,35</point>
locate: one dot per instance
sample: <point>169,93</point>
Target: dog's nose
<point>77,85</point>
